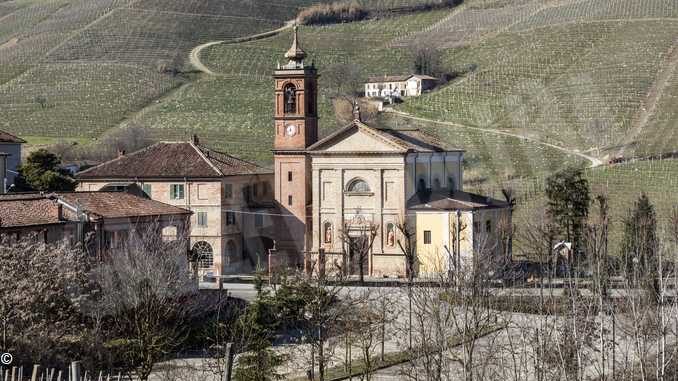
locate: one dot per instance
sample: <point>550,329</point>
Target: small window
<point>289,176</point>
<point>427,237</point>
<point>289,200</point>
<point>230,218</point>
<point>228,190</point>
<point>148,190</point>
<point>488,226</point>
<point>177,191</point>
<point>264,188</point>
<point>258,220</point>
<point>202,219</point>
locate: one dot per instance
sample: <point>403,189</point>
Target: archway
<point>204,254</point>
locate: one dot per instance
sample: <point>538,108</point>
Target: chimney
<point>356,112</point>
<point>121,152</point>
<point>196,140</point>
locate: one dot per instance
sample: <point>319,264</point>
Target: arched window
<point>203,251</point>
<point>290,99</point>
<point>358,186</point>
<point>327,228</point>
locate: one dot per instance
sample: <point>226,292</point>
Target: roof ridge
<point>206,158</point>
<point>19,140</point>
<point>232,156</point>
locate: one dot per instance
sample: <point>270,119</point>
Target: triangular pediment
<point>356,138</point>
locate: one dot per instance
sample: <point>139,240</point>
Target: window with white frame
<point>177,191</point>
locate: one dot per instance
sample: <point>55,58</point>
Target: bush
<point>344,11</point>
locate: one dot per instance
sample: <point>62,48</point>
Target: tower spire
<point>296,54</point>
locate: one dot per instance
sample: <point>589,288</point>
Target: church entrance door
<point>358,253</point>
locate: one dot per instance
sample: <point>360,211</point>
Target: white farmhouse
<point>397,86</point>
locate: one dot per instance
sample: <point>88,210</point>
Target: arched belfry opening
<point>290,99</point>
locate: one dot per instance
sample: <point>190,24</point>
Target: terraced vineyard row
<point>111,57</point>
<point>326,45</point>
<point>48,100</point>
<point>577,85</point>
<point>484,18</point>
<point>144,37</point>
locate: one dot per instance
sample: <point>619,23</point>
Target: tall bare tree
<point>150,297</point>
<point>42,288</point>
<point>357,241</point>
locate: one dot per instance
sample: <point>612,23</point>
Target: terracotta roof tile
<point>119,204</point>
<point>28,211</point>
<point>172,160</point>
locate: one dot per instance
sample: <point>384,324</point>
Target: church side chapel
<point>363,182</point>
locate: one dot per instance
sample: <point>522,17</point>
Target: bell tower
<point>296,128</point>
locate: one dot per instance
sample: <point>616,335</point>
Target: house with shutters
<point>231,199</point>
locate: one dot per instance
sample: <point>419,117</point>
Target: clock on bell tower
<point>296,103</point>
<point>296,128</point>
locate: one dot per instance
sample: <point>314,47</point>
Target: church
<point>367,183</point>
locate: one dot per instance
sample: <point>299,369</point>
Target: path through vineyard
<point>595,162</point>
<point>194,56</point>
<point>666,73</point>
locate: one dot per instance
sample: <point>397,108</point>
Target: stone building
<point>361,177</point>
<point>230,198</point>
<point>365,175</point>
<point>397,86</point>
<point>101,220</point>
<point>452,227</point>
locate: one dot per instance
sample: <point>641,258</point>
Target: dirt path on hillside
<point>9,44</point>
<point>194,56</point>
<point>595,162</point>
<point>649,107</point>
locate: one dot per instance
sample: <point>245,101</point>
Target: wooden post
<point>36,372</point>
<point>228,366</point>
<point>58,376</point>
<point>75,371</point>
<point>13,373</point>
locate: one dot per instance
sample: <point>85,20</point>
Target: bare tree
<point>42,287</point>
<point>357,241</point>
<point>150,297</point>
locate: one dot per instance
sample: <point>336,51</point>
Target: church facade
<point>359,179</point>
